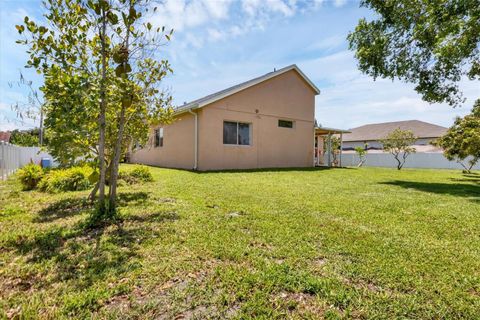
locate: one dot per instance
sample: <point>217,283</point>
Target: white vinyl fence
<point>416,160</point>
<point>13,157</point>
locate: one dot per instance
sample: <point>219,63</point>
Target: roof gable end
<point>199,103</point>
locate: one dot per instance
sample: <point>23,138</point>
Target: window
<point>285,124</point>
<point>159,137</point>
<point>236,133</point>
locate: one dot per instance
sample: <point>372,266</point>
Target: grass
<point>342,243</point>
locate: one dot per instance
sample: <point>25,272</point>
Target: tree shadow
<point>73,206</point>
<point>466,190</point>
<point>468,177</point>
<point>83,256</point>
<point>63,209</point>
<point>127,198</point>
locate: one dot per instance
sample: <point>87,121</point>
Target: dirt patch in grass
<point>181,297</point>
<point>299,304</point>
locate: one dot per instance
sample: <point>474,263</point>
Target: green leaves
<point>112,18</point>
<point>432,44</point>
<point>399,143</point>
<point>71,51</point>
<point>122,70</point>
<point>20,28</point>
<point>462,139</point>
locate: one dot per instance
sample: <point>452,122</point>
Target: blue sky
<point>218,43</point>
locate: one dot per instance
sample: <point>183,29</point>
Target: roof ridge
<point>241,86</point>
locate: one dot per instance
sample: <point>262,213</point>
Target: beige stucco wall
<point>178,145</point>
<point>286,97</point>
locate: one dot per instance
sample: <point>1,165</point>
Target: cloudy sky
<point>219,43</point>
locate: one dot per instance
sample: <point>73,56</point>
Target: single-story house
<point>265,122</point>
<point>370,135</point>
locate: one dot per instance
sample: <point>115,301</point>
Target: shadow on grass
<point>466,190</point>
<point>72,206</point>
<point>468,177</point>
<point>63,209</point>
<point>86,255</point>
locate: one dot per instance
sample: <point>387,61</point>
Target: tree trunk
<point>40,132</point>
<point>101,119</point>
<point>115,163</point>
<point>399,165</point>
<point>93,193</point>
<point>118,144</point>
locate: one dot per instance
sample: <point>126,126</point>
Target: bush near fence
<point>13,157</point>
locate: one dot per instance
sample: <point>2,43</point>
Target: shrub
<point>30,175</point>
<point>71,179</point>
<point>138,174</point>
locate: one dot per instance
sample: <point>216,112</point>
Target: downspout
<point>195,165</point>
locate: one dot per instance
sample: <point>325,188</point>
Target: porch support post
<point>329,149</point>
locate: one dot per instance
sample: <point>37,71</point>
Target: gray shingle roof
<point>377,131</point>
<point>239,87</point>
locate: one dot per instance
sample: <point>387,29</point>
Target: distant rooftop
<point>5,136</point>
<point>377,131</point>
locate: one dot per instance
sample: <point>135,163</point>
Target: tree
<point>26,138</point>
<point>433,44</point>
<point>102,82</point>
<point>362,155</point>
<point>32,108</point>
<point>335,145</point>
<point>398,143</point>
<point>462,139</point>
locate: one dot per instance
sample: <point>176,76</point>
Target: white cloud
<point>181,14</point>
<point>349,98</point>
<point>328,43</point>
<point>339,3</point>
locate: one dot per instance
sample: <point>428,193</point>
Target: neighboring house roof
<point>242,86</point>
<point>5,136</point>
<point>378,131</point>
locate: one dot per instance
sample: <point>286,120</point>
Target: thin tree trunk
<point>40,132</point>
<point>116,162</point>
<point>101,119</point>
<point>93,193</point>
<point>118,144</point>
<point>399,165</point>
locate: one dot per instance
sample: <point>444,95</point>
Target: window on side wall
<point>285,124</point>
<point>158,137</point>
<point>236,133</point>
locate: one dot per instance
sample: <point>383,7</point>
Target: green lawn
<point>341,243</point>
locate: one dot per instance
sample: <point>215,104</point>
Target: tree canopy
<point>399,144</point>
<point>462,139</point>
<point>101,80</point>
<point>431,43</point>
<point>26,138</point>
